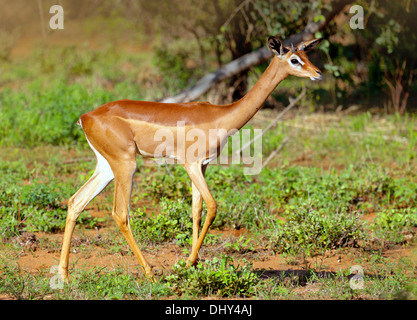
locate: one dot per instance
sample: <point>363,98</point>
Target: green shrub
<point>172,64</point>
<point>170,184</point>
<point>394,225</point>
<point>174,222</point>
<point>35,207</point>
<point>38,116</point>
<point>108,285</point>
<point>308,230</point>
<point>213,277</point>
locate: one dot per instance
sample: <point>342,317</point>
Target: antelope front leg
<point>200,190</point>
<point>122,193</point>
<point>197,208</point>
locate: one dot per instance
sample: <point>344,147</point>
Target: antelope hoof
<point>150,276</point>
<point>191,262</point>
<point>63,272</point>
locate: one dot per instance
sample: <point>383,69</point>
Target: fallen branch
<point>275,152</point>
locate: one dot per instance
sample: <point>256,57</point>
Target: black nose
<point>318,72</point>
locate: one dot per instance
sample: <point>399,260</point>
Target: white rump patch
<point>103,165</point>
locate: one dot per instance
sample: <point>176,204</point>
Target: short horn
<point>292,48</point>
<point>281,51</point>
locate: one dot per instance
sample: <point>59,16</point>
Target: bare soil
<point>41,251</point>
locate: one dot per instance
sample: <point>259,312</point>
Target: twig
<point>275,152</point>
<point>78,160</point>
<point>40,7</point>
<point>376,135</point>
<point>263,16</point>
<point>168,170</point>
<point>235,12</point>
<point>369,153</point>
<point>274,122</point>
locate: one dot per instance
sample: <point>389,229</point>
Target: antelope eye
<point>294,61</point>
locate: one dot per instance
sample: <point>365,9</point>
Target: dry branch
<point>275,152</point>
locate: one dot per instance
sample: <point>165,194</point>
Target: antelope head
<point>296,57</point>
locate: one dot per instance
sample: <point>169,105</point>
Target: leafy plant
<point>241,245</point>
<point>395,224</point>
<point>174,222</point>
<point>213,277</point>
<point>25,286</point>
<point>308,230</point>
<point>172,64</point>
<point>35,207</point>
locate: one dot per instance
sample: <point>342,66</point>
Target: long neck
<point>244,109</point>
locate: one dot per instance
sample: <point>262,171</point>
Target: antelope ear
<point>309,45</point>
<point>277,47</point>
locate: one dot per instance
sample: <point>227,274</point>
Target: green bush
<point>308,230</point>
<point>171,184</point>
<point>393,225</point>
<point>213,277</point>
<point>108,285</point>
<point>172,64</point>
<point>174,222</point>
<point>35,207</point>
<point>38,116</point>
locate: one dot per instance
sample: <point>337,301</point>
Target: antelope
<point>117,131</point>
